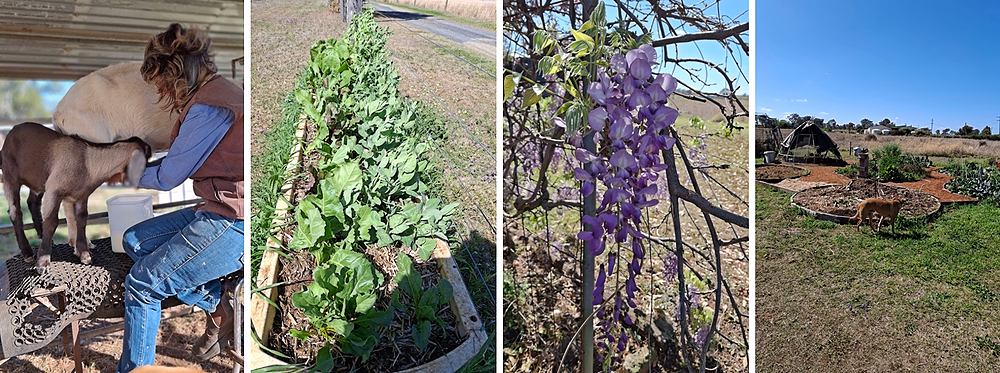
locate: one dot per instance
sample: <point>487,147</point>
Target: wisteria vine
<point>631,118</point>
<point>601,79</point>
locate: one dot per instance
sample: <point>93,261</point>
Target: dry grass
<point>485,10</point>
<point>929,146</point>
<point>282,33</point>
<point>468,172</point>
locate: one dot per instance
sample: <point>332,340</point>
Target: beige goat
<point>113,104</point>
<point>57,168</point>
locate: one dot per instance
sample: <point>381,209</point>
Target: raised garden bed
<point>839,203</point>
<point>773,173</point>
<point>447,352</point>
<point>466,333</point>
<point>365,280</point>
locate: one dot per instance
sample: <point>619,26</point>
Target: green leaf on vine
<point>575,115</point>
<point>533,95</point>
<point>579,36</point>
<point>598,16</point>
<point>541,40</point>
<point>548,65</point>
<point>508,87</point>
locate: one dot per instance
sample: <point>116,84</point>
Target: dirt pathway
<point>464,97</point>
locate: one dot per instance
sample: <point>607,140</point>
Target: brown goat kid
<point>57,168</point>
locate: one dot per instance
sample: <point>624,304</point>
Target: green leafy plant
<point>340,303</point>
<point>890,164</point>
<point>425,301</point>
<point>974,180</point>
<point>850,170</point>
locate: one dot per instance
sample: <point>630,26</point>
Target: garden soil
<point>777,172</point>
<point>843,200</point>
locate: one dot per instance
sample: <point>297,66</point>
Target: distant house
<point>877,130</point>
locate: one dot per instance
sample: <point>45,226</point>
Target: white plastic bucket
<point>769,157</point>
<point>124,211</point>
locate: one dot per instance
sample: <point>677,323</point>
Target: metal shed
<point>67,39</point>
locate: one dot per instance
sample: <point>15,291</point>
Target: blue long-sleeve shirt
<point>202,129</point>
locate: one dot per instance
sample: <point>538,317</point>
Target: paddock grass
<point>483,11</point>
<point>830,299</point>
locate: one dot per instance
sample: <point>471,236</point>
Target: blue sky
<point>712,51</point>
<point>52,91</point>
<point>909,61</point>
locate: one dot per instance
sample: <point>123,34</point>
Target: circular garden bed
<point>840,202</point>
<point>776,172</point>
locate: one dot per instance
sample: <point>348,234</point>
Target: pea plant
<point>595,102</point>
<point>425,301</point>
<point>371,189</point>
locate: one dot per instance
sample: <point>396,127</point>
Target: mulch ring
<point>825,175</point>
<point>842,200</point>
<point>776,172</point>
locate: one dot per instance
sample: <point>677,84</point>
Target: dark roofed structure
<point>809,134</point>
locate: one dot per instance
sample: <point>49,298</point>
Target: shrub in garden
<point>850,171</point>
<point>890,164</point>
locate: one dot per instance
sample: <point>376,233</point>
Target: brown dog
<point>885,209</point>
<point>156,369</point>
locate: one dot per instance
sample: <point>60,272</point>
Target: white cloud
<point>823,113</point>
<point>765,109</point>
<point>800,100</point>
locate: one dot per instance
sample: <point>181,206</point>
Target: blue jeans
<point>182,254</point>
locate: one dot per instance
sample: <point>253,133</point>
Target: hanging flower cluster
<point>629,122</point>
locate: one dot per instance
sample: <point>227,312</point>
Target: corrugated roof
<point>67,39</point>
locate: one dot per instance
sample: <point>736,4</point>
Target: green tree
<point>867,123</point>
<point>794,119</point>
<point>20,100</point>
<point>885,122</point>
<point>986,131</point>
<point>966,130</point>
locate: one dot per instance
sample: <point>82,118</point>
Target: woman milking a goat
<point>183,253</point>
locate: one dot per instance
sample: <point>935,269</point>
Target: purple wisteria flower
<point>631,117</point>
